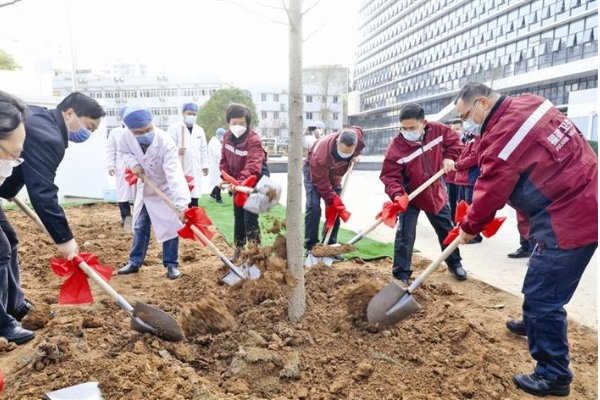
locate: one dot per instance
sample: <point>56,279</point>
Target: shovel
<point>144,318</point>
<point>360,235</point>
<point>313,260</point>
<point>236,274</point>
<point>263,197</point>
<point>393,303</point>
<point>128,222</point>
<point>84,391</point>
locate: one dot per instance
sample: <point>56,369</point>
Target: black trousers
<point>194,202</point>
<point>246,228</point>
<point>125,209</point>
<point>12,298</point>
<point>216,193</point>
<point>453,197</point>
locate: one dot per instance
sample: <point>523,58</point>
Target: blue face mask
<point>471,128</point>
<point>80,135</point>
<point>146,138</point>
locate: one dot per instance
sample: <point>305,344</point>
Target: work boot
<point>23,311</point>
<point>173,273</point>
<point>129,269</point>
<point>236,254</point>
<point>516,326</point>
<point>458,271</point>
<point>19,335</point>
<point>539,386</point>
<point>520,253</point>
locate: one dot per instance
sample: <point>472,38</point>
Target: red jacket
<point>450,177</point>
<point>408,164</point>
<point>533,157</point>
<point>467,170</point>
<point>242,157</point>
<point>326,171</point>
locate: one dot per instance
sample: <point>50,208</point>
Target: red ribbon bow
<point>130,177</point>
<point>461,211</point>
<point>197,217</point>
<point>337,208</point>
<point>188,179</point>
<point>240,197</point>
<point>76,289</point>
<point>390,210</point>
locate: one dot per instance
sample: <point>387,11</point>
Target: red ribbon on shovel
<point>390,210</point>
<point>461,211</point>
<point>76,289</point>
<point>332,211</point>
<point>130,177</point>
<point>240,198</point>
<point>197,217</point>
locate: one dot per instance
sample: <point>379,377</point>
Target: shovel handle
<point>163,196</point>
<point>29,213</point>
<point>93,275</point>
<point>182,145</point>
<point>344,186</point>
<point>434,265</point>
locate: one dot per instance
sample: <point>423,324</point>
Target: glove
<point>390,210</point>
<point>68,250</point>
<point>334,210</point>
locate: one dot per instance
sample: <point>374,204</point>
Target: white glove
<point>68,250</point>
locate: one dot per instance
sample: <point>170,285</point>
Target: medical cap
<point>137,116</point>
<point>220,131</point>
<point>190,107</point>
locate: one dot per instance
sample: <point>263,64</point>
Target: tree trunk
<point>297,299</point>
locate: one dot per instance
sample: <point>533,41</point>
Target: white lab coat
<point>214,160</point>
<point>196,155</point>
<point>161,164</point>
<point>113,161</point>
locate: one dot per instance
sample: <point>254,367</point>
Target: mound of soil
<point>456,348</point>
<point>321,250</point>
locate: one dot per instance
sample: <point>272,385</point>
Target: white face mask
<point>345,155</point>
<point>189,119</point>
<point>237,130</point>
<point>413,136</point>
<point>6,169</point>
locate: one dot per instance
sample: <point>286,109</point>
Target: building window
<point>335,99</point>
<point>309,115</point>
<point>275,114</point>
<point>263,97</point>
<point>263,114</point>
<point>276,97</point>
<point>309,99</point>
<point>336,116</point>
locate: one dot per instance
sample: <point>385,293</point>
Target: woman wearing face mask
<point>12,300</point>
<point>190,139</point>
<point>243,158</point>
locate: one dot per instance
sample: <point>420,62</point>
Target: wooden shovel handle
<point>30,213</point>
<point>434,265</point>
<point>163,196</point>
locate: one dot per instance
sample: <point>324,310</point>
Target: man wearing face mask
<point>148,150</point>
<point>48,135</point>
<point>244,159</point>
<point>324,166</point>
<point>534,158</point>
<point>415,155</point>
<point>190,138</point>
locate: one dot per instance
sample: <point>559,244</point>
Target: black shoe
<point>129,269</point>
<point>173,273</point>
<point>517,327</point>
<point>219,201</point>
<point>213,196</point>
<point>458,272</point>
<point>539,386</point>
<point>19,335</point>
<point>520,253</point>
<point>476,239</point>
<point>23,311</point>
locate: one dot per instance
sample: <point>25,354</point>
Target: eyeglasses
<point>16,161</point>
<point>465,117</point>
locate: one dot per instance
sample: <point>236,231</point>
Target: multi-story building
<point>163,95</point>
<point>425,50</point>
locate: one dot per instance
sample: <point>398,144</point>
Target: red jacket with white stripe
<point>326,171</point>
<point>467,163</point>
<point>534,158</point>
<point>242,157</point>
<point>408,164</point>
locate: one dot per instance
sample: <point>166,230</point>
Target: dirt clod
<point>321,250</point>
<point>210,315</point>
<point>37,318</point>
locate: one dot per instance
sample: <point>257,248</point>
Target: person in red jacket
<point>450,177</point>
<point>467,172</point>
<point>242,157</point>
<point>415,155</point>
<point>533,157</point>
<point>326,162</point>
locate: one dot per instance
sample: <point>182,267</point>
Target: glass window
<point>576,26</point>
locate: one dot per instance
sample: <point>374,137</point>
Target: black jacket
<point>45,143</point>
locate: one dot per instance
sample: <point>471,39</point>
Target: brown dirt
<point>210,315</point>
<point>37,318</point>
<point>321,250</point>
<point>456,348</point>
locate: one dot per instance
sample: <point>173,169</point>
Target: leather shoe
<point>19,335</point>
<point>173,273</point>
<point>516,326</point>
<point>129,269</point>
<point>23,311</point>
<point>539,386</point>
<point>459,272</point>
<point>520,253</point>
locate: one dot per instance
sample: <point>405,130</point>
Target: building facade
<point>425,50</point>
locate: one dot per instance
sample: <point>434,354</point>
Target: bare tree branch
<point>268,6</point>
<point>10,3</point>
<point>317,30</point>
<point>253,12</point>
<point>311,7</point>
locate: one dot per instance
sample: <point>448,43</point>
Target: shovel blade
<point>147,319</point>
<point>390,305</point>
<point>84,391</point>
<point>266,196</point>
<point>128,224</point>
<point>311,261</point>
<point>247,272</point>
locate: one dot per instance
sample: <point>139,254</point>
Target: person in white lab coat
<point>116,168</point>
<point>190,138</point>
<point>149,150</point>
<point>215,147</point>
